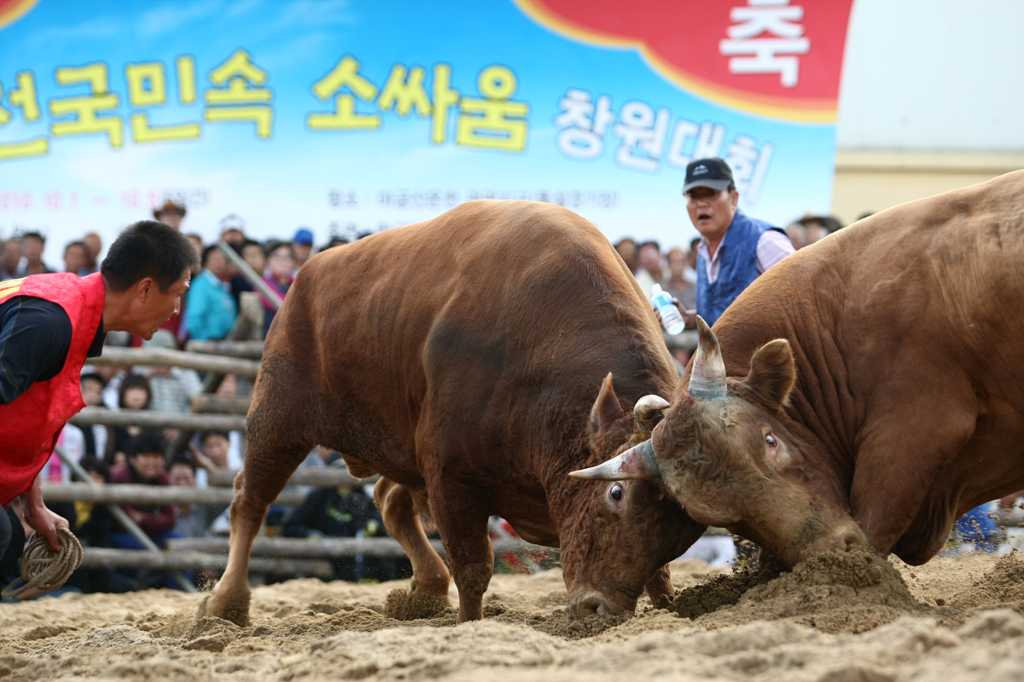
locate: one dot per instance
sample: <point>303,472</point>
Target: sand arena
<point>835,618</point>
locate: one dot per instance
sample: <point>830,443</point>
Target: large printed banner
<point>355,116</point>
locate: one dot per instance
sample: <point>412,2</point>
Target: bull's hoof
<point>405,605</point>
<point>234,610</point>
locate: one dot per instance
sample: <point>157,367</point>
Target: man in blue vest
<point>734,248</point>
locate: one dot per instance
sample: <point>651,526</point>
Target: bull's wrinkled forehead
<point>703,424</point>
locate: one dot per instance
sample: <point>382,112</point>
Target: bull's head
<point>621,534</point>
<point>726,455</point>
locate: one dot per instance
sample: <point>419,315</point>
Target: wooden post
<point>250,275</point>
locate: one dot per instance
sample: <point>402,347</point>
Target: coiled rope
<point>44,568</point>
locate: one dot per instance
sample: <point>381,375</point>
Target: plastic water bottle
<point>671,318</point>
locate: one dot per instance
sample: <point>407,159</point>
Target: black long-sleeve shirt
<point>35,337</point>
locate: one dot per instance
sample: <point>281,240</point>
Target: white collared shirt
<point>772,247</point>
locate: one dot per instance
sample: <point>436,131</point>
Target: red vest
<point>29,426</point>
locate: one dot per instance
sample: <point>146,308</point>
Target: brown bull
<point>469,360</point>
<point>869,389</point>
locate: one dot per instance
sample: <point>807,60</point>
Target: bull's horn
<point>707,379</point>
<point>646,411</point>
<point>637,462</point>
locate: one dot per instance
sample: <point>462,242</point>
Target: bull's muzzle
<point>639,462</point>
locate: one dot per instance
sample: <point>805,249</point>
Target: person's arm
<point>35,337</point>
<point>41,519</point>
<point>772,247</point>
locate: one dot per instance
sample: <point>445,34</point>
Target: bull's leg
<point>462,520</point>
<point>276,447</point>
<point>429,574</point>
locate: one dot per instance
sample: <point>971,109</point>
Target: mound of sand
<point>836,618</point>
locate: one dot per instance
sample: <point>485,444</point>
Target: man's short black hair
<point>149,441</point>
<point>213,247</point>
<point>93,376</point>
<point>68,246</point>
<point>37,235</point>
<point>183,459</point>
<point>656,245</point>
<point>92,463</point>
<point>147,249</point>
<point>207,434</point>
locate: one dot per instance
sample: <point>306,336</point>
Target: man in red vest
<point>49,325</point>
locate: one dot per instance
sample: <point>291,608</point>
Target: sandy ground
<point>838,618</point>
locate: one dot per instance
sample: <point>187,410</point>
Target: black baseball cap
<point>711,172</point>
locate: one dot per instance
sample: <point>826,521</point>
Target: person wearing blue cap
<point>734,248</point>
<point>302,245</point>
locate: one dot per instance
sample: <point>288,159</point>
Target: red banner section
<point>776,58</point>
<point>12,10</point>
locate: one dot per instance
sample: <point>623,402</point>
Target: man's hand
<point>41,519</point>
<point>689,316</point>
<point>201,460</point>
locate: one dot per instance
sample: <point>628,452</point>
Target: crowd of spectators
<point>140,456</point>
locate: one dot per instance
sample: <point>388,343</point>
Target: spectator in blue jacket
<point>210,310</point>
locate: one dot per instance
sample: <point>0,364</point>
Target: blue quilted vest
<point>737,267</point>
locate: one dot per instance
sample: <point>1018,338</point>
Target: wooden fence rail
<point>236,349</point>
<point>112,355</point>
<point>159,420</point>
<point>320,477</point>
<point>128,493</point>
<point>102,557</point>
<point>334,547</point>
<point>220,404</point>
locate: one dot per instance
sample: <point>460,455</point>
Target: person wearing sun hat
<point>170,214</point>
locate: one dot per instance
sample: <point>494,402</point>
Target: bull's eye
<point>615,492</point>
<point>771,441</point>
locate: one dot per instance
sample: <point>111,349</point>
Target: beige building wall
<point>875,180</point>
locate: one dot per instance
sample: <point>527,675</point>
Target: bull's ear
<point>606,410</point>
<point>772,373</point>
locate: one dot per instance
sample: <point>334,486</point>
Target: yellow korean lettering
<point>444,97</point>
<point>237,72</point>
<point>487,122</point>
<point>36,147</point>
<point>262,116</point>
<point>142,131</point>
<point>186,80</point>
<point>85,108</point>
<point>345,73</point>
<point>25,95</point>
<point>147,84</point>
<point>238,65</point>
<point>406,92</point>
